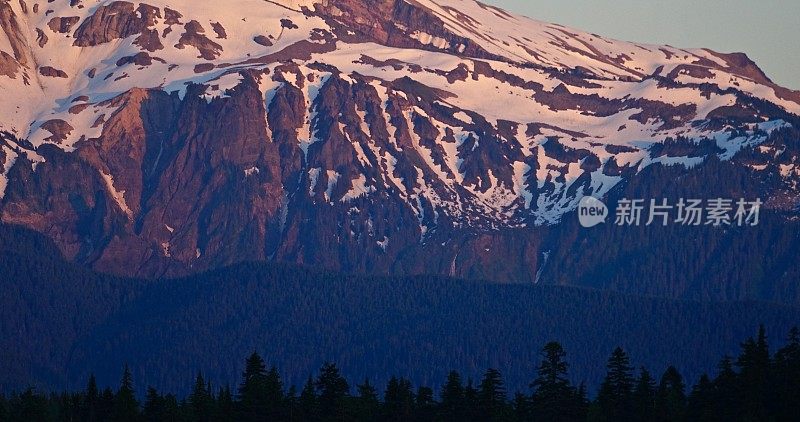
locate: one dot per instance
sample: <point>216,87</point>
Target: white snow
<point>358,189</point>
<point>383,243</point>
<point>11,157</point>
<point>333,178</point>
<point>518,39</point>
<point>119,196</point>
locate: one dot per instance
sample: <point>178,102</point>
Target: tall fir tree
<point>424,405</point>
<point>699,403</point>
<point>275,397</point>
<point>554,397</point>
<point>398,400</point>
<point>333,392</point>
<point>172,409</point>
<point>615,399</point>
<point>671,397</point>
<point>367,402</point>
<point>253,390</point>
<point>452,405</point>
<point>492,398</point>
<point>471,405</point>
<point>522,407</point>
<point>644,396</point>
<point>308,402</point>
<point>31,406</point>
<point>201,404</point>
<point>4,408</point>
<point>726,392</point>
<point>126,408</point>
<point>754,376</point>
<point>154,406</point>
<point>91,398</point>
<point>105,405</point>
<point>787,378</point>
<point>292,405</point>
<point>226,408</point>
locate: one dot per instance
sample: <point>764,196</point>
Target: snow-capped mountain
<point>162,137</point>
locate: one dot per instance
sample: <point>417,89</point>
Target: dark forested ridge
<point>756,386</point>
<point>61,322</point>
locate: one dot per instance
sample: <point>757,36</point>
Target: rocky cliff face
<point>393,136</point>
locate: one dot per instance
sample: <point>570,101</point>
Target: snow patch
<point>119,196</point>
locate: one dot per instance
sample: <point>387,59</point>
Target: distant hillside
<point>60,321</point>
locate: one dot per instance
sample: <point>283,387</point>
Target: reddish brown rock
<point>12,29</point>
<point>203,67</point>
<point>8,65</point>
<point>149,40</point>
<point>59,130</point>
<point>41,38</point>
<point>116,20</point>
<point>139,59</point>
<point>262,40</point>
<point>219,30</point>
<point>78,108</point>
<point>193,36</point>
<point>63,24</point>
<point>382,21</point>
<point>52,72</point>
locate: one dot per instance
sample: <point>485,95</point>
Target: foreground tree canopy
<point>755,386</point>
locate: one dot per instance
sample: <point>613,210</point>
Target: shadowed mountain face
<point>390,137</point>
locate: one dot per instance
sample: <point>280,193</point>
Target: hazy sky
<point>767,30</point>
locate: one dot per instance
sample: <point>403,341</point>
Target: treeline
<point>756,386</point>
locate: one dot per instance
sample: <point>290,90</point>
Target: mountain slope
<point>400,136</point>
<point>62,322</point>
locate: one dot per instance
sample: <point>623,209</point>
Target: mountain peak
<point>453,117</point>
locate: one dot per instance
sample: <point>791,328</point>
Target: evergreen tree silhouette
<point>522,407</point>
<point>787,378</point>
<point>398,400</point>
<point>253,390</point>
<point>492,397</point>
<point>226,408</point>
<point>699,403</point>
<point>726,392</point>
<point>154,406</point>
<point>671,397</point>
<point>31,407</point>
<point>275,398</point>
<point>201,404</point>
<point>308,402</point>
<point>4,412</point>
<point>292,406</point>
<point>126,408</point>
<point>470,404</point>
<point>105,405</point>
<point>333,391</point>
<point>644,396</point>
<point>754,376</point>
<point>615,399</point>
<point>452,395</point>
<point>553,397</point>
<point>90,401</point>
<point>367,402</point>
<point>772,380</point>
<point>425,405</point>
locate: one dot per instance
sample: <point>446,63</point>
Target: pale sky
<point>768,31</point>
